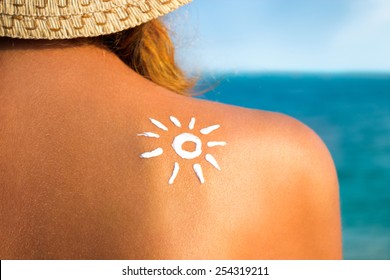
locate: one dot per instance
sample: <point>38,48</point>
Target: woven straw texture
<point>65,19</point>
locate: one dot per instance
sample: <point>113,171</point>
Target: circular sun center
<point>188,140</point>
<point>189,146</point>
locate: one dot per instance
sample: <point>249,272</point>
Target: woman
<point>102,156</point>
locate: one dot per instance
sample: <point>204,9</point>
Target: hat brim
<point>66,19</point>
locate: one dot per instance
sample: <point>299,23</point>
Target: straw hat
<point>65,19</point>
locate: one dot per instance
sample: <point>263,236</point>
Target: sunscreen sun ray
<point>192,124</point>
<point>199,172</point>
<point>174,173</point>
<point>155,153</point>
<point>175,121</point>
<point>149,134</point>
<point>216,143</point>
<point>158,124</point>
<point>209,129</point>
<point>213,161</point>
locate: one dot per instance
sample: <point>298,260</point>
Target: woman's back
<point>77,179</point>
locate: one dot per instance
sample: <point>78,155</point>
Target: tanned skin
<point>72,184</point>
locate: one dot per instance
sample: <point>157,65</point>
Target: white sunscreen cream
<point>192,124</point>
<point>175,121</point>
<point>183,138</point>
<point>216,143</point>
<point>213,161</point>
<point>155,153</point>
<point>199,172</point>
<point>174,173</point>
<point>158,124</point>
<point>149,134</point>
<point>178,144</point>
<point>209,129</point>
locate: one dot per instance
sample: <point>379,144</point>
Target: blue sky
<point>284,35</point>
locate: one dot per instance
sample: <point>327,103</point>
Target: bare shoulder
<point>282,136</point>
<point>291,172</point>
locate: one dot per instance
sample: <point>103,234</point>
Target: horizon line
<point>293,72</point>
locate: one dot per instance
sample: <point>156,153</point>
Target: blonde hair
<point>149,51</point>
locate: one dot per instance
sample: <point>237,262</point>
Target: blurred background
<point>324,62</point>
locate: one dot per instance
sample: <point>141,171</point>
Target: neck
<point>69,58</point>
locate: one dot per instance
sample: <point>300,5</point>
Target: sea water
<point>351,113</point>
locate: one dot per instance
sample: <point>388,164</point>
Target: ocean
<point>351,113</point>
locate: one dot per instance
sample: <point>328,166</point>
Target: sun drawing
<point>178,143</point>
